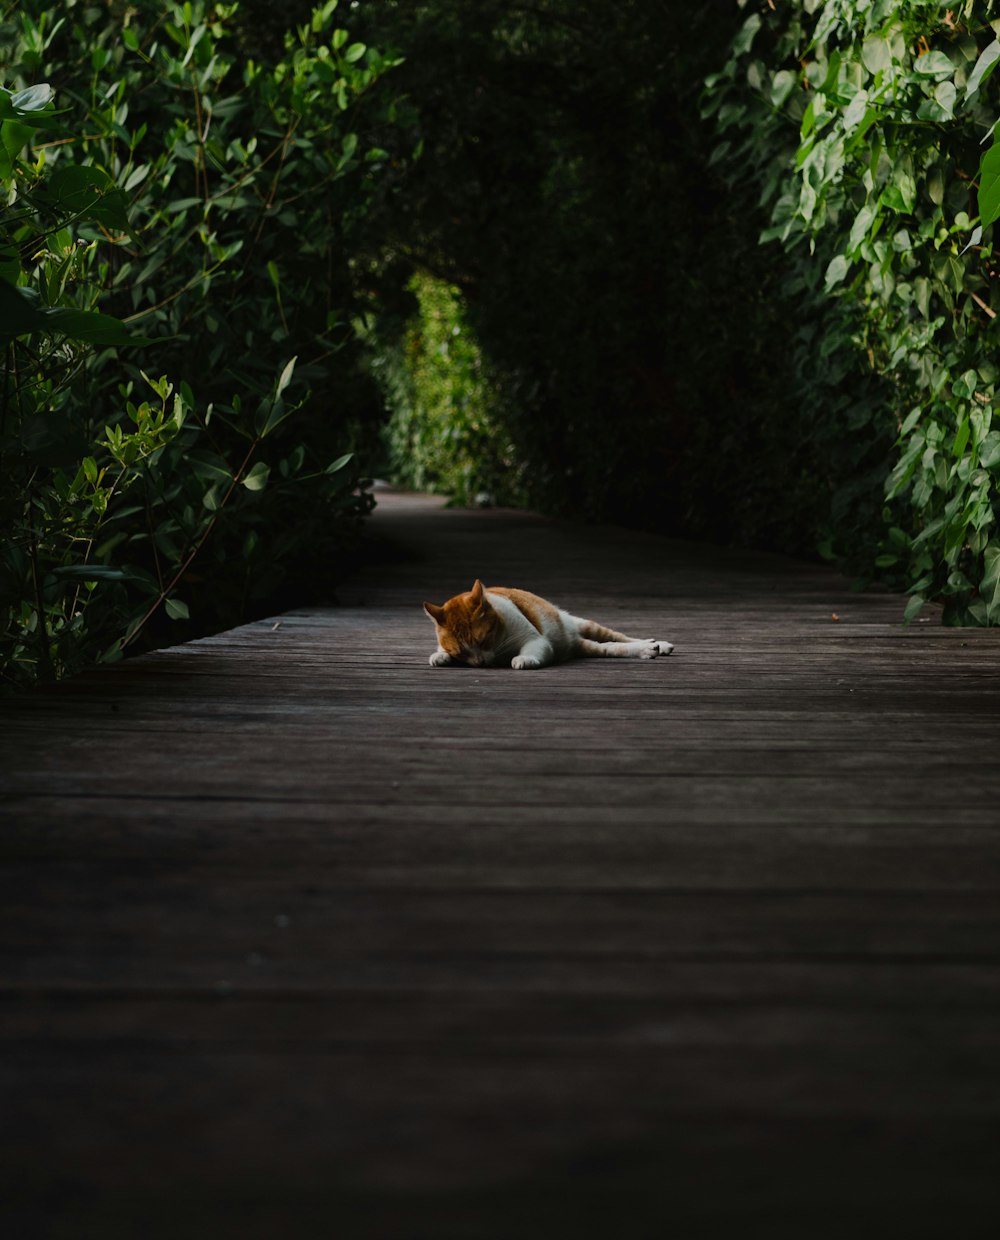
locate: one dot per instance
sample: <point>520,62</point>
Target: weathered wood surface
<point>302,937</point>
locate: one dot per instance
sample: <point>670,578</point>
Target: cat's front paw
<point>440,659</point>
<point>523,662</point>
<point>662,647</point>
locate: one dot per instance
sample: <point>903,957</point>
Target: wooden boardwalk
<point>304,938</point>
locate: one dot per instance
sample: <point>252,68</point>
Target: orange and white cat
<point>500,627</point>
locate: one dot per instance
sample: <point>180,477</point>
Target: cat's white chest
<point>529,645</point>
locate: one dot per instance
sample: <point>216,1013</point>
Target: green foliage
<point>864,125</point>
<point>446,426</point>
<point>614,287</point>
<point>173,198</point>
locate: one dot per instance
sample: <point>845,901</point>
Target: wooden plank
<point>294,926</point>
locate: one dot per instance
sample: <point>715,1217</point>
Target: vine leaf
<point>989,587</point>
<point>984,66</point>
<point>989,186</point>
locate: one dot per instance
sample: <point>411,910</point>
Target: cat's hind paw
<point>652,647</point>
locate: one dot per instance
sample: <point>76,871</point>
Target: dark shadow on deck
<point>303,938</point>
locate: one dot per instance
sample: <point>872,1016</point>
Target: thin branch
<point>165,591</point>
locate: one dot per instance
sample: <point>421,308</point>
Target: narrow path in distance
<point>302,937</point>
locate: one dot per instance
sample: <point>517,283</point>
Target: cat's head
<point>466,627</point>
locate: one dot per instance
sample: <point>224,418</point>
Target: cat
<point>500,627</point>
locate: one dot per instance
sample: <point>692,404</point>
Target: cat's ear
<point>477,593</point>
<point>436,613</point>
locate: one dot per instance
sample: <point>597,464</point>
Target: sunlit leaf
<point>286,377</point>
<point>33,98</point>
<point>256,478</point>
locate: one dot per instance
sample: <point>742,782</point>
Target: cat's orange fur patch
<point>463,622</point>
<point>530,605</point>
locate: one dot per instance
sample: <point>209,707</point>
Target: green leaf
<point>277,413</point>
<point>276,409</point>
<point>912,418</point>
<point>88,193</point>
<point>91,327</point>
<point>130,39</point>
<point>177,610</point>
<point>974,239</point>
<point>13,138</point>
<point>89,572</point>
<point>944,97</point>
<point>782,85</point>
<point>988,194</point>
<point>354,52</point>
<point>913,608</point>
<point>744,39</point>
<point>989,587</point>
<point>208,467</point>
<point>989,452</point>
<point>836,271</point>
<point>340,463</point>
<point>113,654</point>
<point>256,478</point>
<point>984,66</point>
<point>933,64</point>
<point>285,378</point>
<point>22,313</point>
<point>976,613</point>
<point>33,99</point>
<point>859,229</point>
<point>855,111</point>
<point>876,54</point>
<point>961,438</point>
<point>901,193</point>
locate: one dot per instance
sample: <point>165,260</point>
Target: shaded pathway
<point>302,937</point>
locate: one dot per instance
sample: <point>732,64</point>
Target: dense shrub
<point>446,429</point>
<point>864,125</point>
<point>175,207</point>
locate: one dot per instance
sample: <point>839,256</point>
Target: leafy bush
<point>207,200</point>
<point>864,124</point>
<point>446,426</point>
